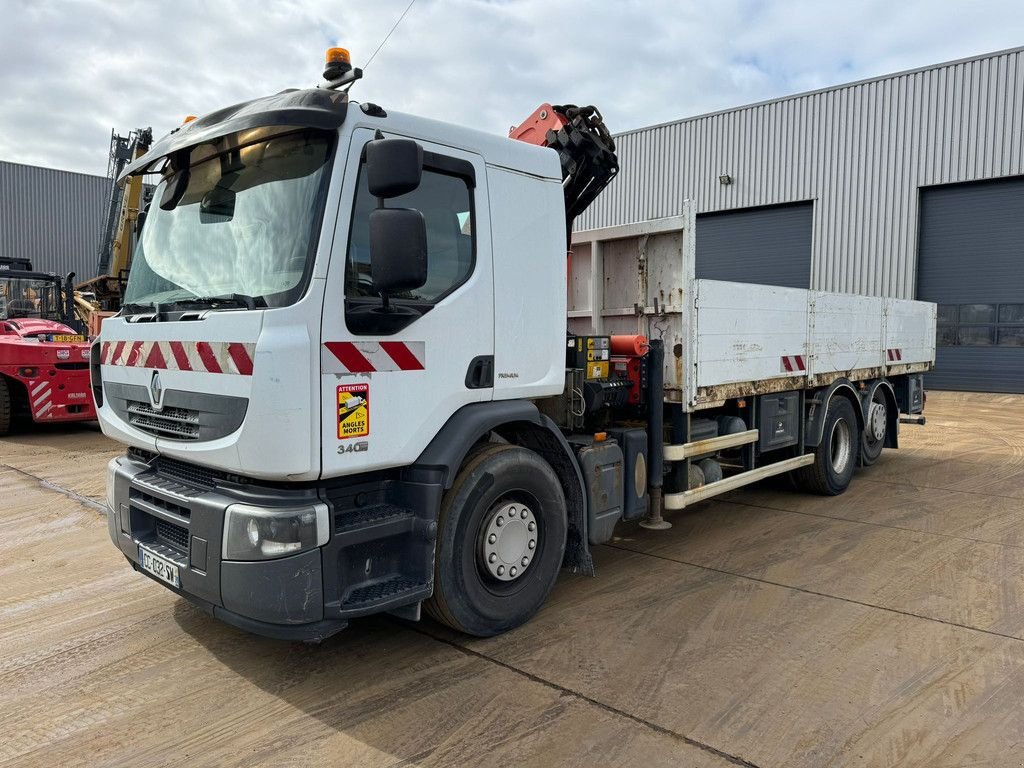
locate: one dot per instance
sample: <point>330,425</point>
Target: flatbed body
<point>726,340</point>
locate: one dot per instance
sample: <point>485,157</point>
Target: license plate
<point>163,569</point>
<point>66,338</point>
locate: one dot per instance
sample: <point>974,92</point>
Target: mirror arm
<point>385,299</point>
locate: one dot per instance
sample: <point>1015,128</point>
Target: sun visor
<point>309,108</point>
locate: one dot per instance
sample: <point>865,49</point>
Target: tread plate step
<point>381,591</point>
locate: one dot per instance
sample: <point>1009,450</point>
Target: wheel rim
<point>509,539</point>
<point>876,421</point>
<point>840,445</point>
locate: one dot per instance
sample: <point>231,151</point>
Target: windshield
<point>243,230</point>
<point>24,297</point>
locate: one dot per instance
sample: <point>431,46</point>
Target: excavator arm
<point>584,146</point>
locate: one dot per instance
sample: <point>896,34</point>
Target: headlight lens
<point>261,533</point>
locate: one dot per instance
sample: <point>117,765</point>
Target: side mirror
<point>398,250</point>
<point>393,167</point>
<point>175,188</point>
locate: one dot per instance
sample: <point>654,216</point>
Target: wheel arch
<point>520,423</point>
<point>819,407</point>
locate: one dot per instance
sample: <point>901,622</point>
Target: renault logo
<point>156,392</point>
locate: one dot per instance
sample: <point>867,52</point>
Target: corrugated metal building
<point>909,185</point>
<point>52,217</point>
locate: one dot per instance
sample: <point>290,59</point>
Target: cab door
<point>391,379</point>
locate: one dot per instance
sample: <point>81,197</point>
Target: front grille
<point>176,423</point>
<point>187,473</point>
<point>155,501</point>
<point>172,535</point>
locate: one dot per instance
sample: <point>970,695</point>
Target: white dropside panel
<point>749,332</point>
<point>639,278</point>
<point>846,332</point>
<point>909,332</point>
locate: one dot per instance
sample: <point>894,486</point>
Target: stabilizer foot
<point>653,521</point>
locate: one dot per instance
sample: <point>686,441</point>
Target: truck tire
<point>5,407</point>
<point>500,540</point>
<point>836,455</point>
<point>874,430</point>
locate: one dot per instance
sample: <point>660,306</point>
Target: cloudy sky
<point>72,70</point>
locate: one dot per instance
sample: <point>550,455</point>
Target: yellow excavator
<point>100,297</point>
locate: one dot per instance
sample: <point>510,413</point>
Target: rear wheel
<point>874,429</point>
<point>836,455</point>
<point>500,540</point>
<point>5,406</point>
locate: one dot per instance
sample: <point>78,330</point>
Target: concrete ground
<point>882,627</point>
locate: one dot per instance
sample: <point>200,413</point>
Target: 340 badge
<point>353,411</point>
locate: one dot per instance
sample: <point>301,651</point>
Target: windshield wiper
<point>225,300</point>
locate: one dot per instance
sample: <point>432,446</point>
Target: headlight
<point>112,466</point>
<point>261,533</point>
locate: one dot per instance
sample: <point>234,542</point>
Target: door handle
<point>481,372</point>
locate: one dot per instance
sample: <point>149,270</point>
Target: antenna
<point>388,35</point>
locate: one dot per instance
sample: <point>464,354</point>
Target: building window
<point>980,325</point>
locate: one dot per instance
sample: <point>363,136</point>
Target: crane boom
<point>101,296</point>
<point>585,149</point>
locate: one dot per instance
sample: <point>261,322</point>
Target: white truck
<point>354,374</point>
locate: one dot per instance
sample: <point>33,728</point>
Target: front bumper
<point>313,631</point>
<point>378,558</point>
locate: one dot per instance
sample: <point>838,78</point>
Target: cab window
<point>445,199</point>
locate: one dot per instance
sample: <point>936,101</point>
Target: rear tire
<point>872,442</point>
<point>5,406</point>
<point>504,498</point>
<point>836,455</point>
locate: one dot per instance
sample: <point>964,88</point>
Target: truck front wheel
<point>836,455</point>
<point>500,540</point>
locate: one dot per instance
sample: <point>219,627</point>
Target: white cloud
<point>71,71</point>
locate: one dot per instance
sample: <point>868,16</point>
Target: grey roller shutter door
<point>771,246</point>
<point>971,263</point>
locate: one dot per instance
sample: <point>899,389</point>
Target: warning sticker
<point>353,411</point>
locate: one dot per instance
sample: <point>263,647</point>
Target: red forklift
<point>44,354</point>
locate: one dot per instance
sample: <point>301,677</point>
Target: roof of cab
<point>496,150</point>
<point>328,109</point>
<point>310,108</point>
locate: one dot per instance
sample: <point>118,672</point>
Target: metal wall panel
<point>860,151</point>
<point>770,246</point>
<point>52,217</point>
<point>972,265</point>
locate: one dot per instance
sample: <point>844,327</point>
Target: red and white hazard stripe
<point>373,356</point>
<point>894,355</point>
<point>204,356</point>
<point>39,394</point>
<point>793,364</point>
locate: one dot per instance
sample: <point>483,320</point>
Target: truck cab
<point>261,383</point>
